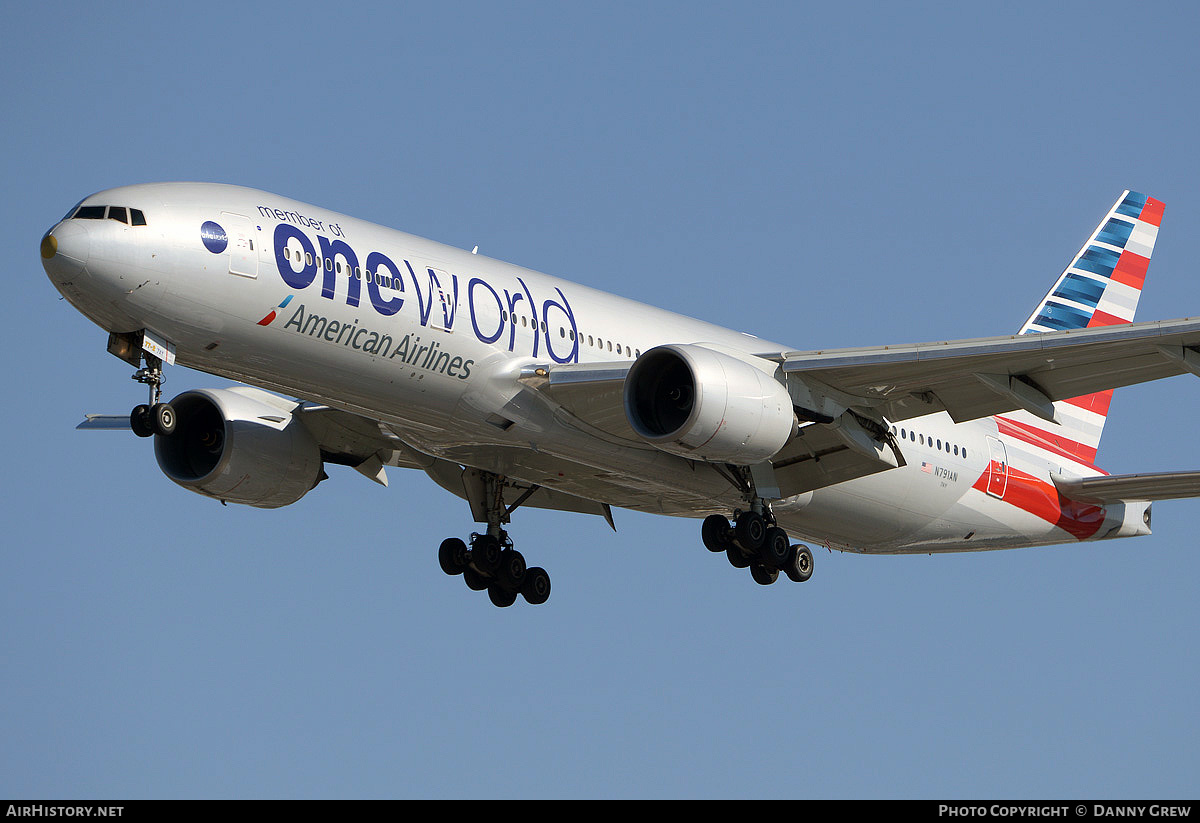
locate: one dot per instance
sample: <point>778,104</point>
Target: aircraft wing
<point>970,379</point>
<point>838,393</point>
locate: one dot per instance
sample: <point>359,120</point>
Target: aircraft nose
<point>70,239</point>
<point>65,249</point>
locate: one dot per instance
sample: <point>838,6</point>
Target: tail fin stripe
<point>1131,269</point>
<point>1098,260</point>
<point>1051,442</point>
<point>1132,205</point>
<point>1085,290</point>
<point>1115,233</point>
<point>1101,318</point>
<point>1061,317</point>
<point>1152,213</point>
<point>1141,240</point>
<point>1120,300</point>
<point>1097,403</point>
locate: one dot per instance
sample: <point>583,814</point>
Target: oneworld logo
<point>214,237</point>
<point>508,314</point>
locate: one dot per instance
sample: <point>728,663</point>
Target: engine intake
<point>239,445</point>
<point>702,403</point>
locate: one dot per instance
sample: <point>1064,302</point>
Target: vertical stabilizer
<point>1100,287</point>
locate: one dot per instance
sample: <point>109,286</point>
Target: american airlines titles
<point>409,348</point>
<point>494,312</point>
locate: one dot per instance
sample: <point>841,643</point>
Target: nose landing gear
<point>155,417</point>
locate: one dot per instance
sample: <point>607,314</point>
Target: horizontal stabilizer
<point>105,422</point>
<point>1119,488</point>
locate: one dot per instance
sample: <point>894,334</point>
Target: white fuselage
<point>433,344</point>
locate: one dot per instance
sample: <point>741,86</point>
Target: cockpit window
<point>131,217</point>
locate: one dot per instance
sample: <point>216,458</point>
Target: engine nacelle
<point>239,445</point>
<point>701,403</point>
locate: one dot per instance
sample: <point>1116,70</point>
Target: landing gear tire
<point>776,548</point>
<point>141,422</point>
<point>452,556</point>
<point>714,532</point>
<point>486,554</point>
<point>501,596</point>
<point>163,419</point>
<point>736,558</point>
<point>511,573</point>
<point>763,575</point>
<point>750,531</point>
<point>476,582</point>
<point>800,564</point>
<point>536,588</point>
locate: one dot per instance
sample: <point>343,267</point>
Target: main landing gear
<point>754,541</point>
<point>491,562</point>
<point>155,417</point>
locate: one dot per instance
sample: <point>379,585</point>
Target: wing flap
<point>589,397</point>
<point>823,455</point>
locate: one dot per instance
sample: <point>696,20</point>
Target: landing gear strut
<point>155,417</point>
<point>754,541</point>
<point>490,562</point>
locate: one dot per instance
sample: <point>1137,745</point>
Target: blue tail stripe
<point>1060,317</point>
<point>1132,205</point>
<point>1098,261</point>
<point>1115,233</point>
<point>1080,289</point>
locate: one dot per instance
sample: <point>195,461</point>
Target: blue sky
<point>817,176</point>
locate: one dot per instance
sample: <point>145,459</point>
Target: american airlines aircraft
<point>364,346</point>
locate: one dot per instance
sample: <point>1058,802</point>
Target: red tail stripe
<point>1097,403</point>
<point>1063,446</point>
<point>1100,318</point>
<point>1152,212</point>
<point>1131,269</point>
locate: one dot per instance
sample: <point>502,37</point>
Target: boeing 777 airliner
<point>368,347</point>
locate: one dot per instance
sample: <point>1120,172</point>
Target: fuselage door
<point>243,257</point>
<point>998,468</point>
<point>441,314</point>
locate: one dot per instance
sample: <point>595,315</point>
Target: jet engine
<point>698,402</point>
<point>240,445</point>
